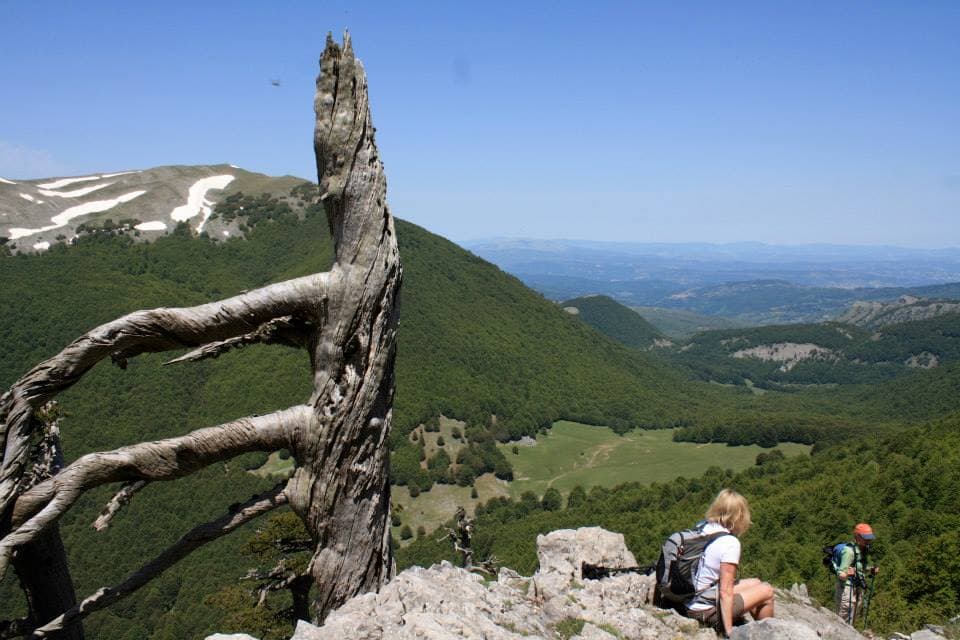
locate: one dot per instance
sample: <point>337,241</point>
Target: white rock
<point>446,603</point>
<point>561,555</point>
<point>774,629</point>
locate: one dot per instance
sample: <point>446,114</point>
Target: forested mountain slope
<point>786,356</point>
<point>612,319</point>
<point>474,342</point>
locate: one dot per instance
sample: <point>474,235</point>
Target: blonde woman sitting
<point>724,600</point>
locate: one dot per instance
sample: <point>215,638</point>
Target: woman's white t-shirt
<point>723,549</point>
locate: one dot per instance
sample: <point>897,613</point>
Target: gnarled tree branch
<point>167,459</point>
<point>288,331</point>
<point>142,332</point>
<point>196,537</point>
<point>117,502</point>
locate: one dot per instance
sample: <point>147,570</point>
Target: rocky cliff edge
<point>445,602</point>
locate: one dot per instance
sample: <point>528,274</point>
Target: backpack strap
<point>712,538</point>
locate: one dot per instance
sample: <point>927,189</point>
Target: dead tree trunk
<point>346,319</point>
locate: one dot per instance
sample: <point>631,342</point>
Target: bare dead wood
<point>193,539</point>
<point>347,321</point>
<point>41,565</point>
<point>166,459</point>
<point>140,332</point>
<point>347,512</point>
<point>288,331</point>
<point>117,502</point>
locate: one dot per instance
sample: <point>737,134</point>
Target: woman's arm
<point>728,575</point>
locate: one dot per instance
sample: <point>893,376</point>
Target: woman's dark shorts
<point>711,617</point>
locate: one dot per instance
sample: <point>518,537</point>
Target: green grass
<point>572,453</point>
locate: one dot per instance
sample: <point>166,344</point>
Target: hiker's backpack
<point>678,563</point>
<point>832,554</point>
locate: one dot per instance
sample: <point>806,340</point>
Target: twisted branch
<point>166,459</point>
<point>141,332</point>
<point>193,539</point>
<point>117,502</point>
<point>287,331</point>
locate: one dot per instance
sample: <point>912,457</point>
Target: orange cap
<point>864,530</point>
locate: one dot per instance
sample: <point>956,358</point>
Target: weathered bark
<point>41,565</point>
<point>345,318</point>
<point>347,512</point>
<point>41,568</point>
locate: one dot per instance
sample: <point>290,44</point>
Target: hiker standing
<point>721,599</point>
<point>852,568</point>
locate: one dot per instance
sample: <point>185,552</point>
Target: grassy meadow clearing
<point>569,454</point>
<point>572,453</point>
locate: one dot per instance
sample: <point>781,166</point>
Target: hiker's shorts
<point>711,617</point>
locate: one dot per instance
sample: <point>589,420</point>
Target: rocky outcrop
<point>446,602</point>
<point>789,353</point>
<point>875,315</point>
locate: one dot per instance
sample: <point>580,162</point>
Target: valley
<point>484,363</point>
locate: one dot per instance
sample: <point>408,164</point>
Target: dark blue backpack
<point>832,554</point>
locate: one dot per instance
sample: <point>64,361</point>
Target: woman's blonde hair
<point>730,510</point>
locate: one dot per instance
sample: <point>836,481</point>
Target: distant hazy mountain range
<point>750,282</point>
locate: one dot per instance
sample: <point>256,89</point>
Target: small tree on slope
<point>345,318</point>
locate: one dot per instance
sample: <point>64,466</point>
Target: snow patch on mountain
<point>30,198</point>
<point>5,181</point>
<point>67,215</point>
<point>153,225</point>
<point>197,202</point>
<point>42,246</point>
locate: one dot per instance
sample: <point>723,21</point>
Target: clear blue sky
<point>784,122</point>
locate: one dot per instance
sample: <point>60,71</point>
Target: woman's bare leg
<point>757,597</point>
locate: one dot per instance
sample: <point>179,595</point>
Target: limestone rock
<point>774,629</point>
<point>561,555</point>
<point>444,602</point>
<point>793,606</point>
<point>926,634</point>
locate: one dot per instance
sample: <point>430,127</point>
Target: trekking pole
<point>866,606</point>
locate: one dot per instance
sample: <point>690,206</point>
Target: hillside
<point>35,214</point>
<point>875,315</point>
<point>904,485</point>
<point>746,302</point>
<point>786,356</point>
<point>674,323</point>
<point>614,320</point>
<point>475,343</point>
